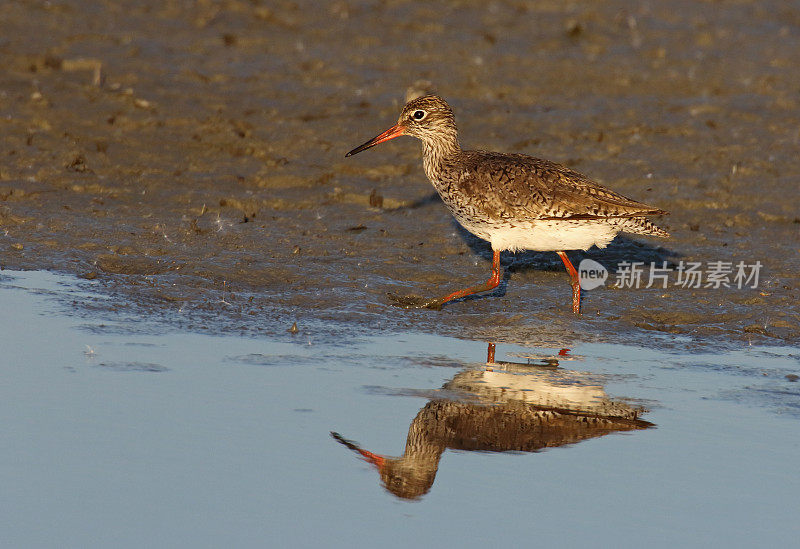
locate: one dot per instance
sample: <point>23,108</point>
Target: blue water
<point>115,439</point>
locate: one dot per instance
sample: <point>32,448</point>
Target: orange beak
<point>375,459</point>
<point>395,131</point>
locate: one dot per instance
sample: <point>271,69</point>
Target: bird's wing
<point>522,187</point>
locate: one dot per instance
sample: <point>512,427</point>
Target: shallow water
<point>116,435</point>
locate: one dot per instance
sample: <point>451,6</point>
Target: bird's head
<point>428,118</point>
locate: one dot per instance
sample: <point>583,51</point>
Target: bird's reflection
<point>506,406</point>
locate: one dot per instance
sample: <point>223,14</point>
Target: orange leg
<point>415,302</point>
<point>575,281</point>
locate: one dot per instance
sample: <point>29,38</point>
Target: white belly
<point>546,236</point>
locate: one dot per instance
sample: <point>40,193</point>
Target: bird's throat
<point>437,155</point>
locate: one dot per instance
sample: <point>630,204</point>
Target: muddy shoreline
<point>191,160</point>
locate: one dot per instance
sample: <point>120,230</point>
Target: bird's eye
<point>419,115</point>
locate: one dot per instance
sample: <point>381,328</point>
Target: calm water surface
<point>115,435</point>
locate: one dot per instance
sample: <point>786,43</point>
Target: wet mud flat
<point>190,159</point>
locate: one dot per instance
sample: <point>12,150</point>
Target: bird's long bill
<point>395,131</point>
<point>375,459</point>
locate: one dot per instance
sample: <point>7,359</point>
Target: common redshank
<point>518,407</point>
<point>514,201</point>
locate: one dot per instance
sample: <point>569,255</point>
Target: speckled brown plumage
<point>514,201</point>
<point>517,186</point>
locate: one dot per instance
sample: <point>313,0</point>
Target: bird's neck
<point>423,446</point>
<point>438,153</point>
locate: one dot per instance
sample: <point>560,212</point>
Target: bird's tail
<point>641,225</point>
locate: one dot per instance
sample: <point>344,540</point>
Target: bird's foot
<point>415,302</point>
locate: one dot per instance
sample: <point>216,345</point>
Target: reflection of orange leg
<point>490,354</point>
<point>575,281</point>
<point>493,282</point>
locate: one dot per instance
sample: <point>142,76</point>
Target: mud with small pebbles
<point>190,158</point>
